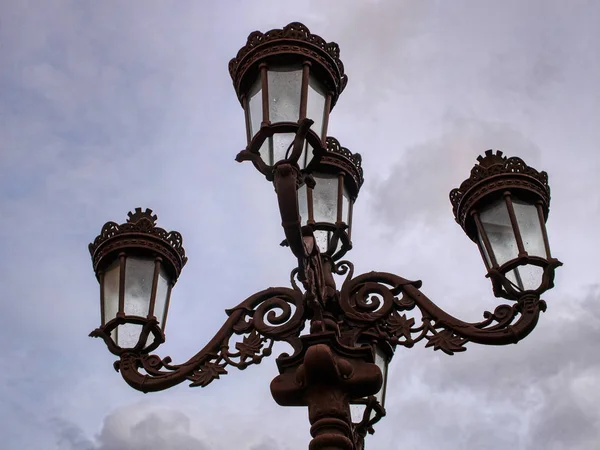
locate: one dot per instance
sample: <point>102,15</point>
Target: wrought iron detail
<point>275,314</point>
<point>343,158</point>
<point>374,306</point>
<point>140,231</point>
<point>497,173</point>
<point>294,38</point>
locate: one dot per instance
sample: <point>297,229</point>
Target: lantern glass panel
<point>357,410</point>
<point>111,294</point>
<point>496,224</point>
<point>381,359</point>
<point>276,147</point>
<point>346,206</point>
<point>527,277</point>
<point>315,110</point>
<point>315,107</point>
<point>162,291</point>
<point>529,227</point>
<point>303,204</point>
<point>325,198</point>
<point>255,112</point>
<point>139,273</point>
<point>284,86</point>
<point>322,237</point>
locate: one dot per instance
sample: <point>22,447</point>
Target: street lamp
<point>288,81</point>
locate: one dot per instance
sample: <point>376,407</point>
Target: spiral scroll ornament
<point>375,305</point>
<point>275,314</point>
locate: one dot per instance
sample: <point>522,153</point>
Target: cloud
<point>137,428</point>
<point>536,394</point>
<point>422,179</point>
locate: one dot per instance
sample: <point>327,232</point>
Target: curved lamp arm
<point>274,314</point>
<point>374,303</point>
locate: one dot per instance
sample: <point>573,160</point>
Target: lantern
<point>327,207</point>
<point>136,264</point>
<point>282,77</point>
<point>382,355</point>
<point>503,207</point>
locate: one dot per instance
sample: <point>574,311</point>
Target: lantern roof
<point>138,234</point>
<point>497,173</point>
<point>342,158</point>
<point>293,39</point>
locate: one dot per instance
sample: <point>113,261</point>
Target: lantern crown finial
<point>135,217</point>
<point>491,158</point>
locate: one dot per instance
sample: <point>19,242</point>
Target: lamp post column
<point>325,378</point>
<point>327,400</point>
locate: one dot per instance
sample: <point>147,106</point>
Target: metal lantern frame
<point>502,179</point>
<point>332,365</point>
<point>117,243</point>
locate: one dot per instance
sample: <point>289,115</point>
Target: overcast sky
<point>110,105</point>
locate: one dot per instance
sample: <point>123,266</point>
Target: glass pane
<point>322,238</point>
<point>162,290</point>
<point>138,287</point>
<point>526,277</point>
<point>530,228</point>
<point>284,93</point>
<point>357,412</point>
<point>255,106</point>
<point>325,198</point>
<point>129,335</point>
<point>139,273</point>
<point>276,147</point>
<point>346,206</point>
<point>382,362</point>
<point>111,294</point>
<point>315,107</point>
<point>303,204</point>
<point>496,223</point>
<point>306,157</point>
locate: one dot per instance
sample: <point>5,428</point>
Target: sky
<point>107,106</point>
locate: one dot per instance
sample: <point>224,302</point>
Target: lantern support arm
<point>374,306</point>
<point>286,181</point>
<point>274,314</point>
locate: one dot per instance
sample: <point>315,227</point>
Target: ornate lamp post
<point>288,81</point>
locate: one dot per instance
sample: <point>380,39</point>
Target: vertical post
<point>329,416</point>
<point>325,378</point>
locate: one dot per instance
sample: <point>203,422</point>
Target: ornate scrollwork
<point>275,314</point>
<point>374,306</point>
